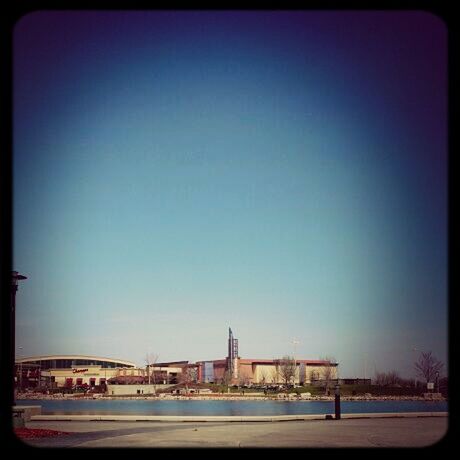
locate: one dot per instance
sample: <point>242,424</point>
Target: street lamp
<point>437,381</point>
<point>295,342</point>
<point>20,373</point>
<point>15,278</point>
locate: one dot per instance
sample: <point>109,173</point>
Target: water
<point>199,407</point>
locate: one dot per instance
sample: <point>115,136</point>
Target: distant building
<point>169,372</point>
<point>68,370</point>
<point>261,371</point>
<point>75,370</point>
<point>355,381</point>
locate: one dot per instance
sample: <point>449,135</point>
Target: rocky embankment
<point>233,397</point>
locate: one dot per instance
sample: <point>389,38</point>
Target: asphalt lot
<point>377,432</point>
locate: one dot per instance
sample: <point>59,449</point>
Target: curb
<point>224,418</point>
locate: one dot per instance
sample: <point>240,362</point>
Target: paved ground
<point>380,432</point>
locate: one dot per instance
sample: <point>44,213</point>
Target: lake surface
<point>200,407</point>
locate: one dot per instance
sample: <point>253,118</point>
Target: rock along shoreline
<point>224,397</point>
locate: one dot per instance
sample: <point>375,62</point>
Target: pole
<point>14,288</point>
<point>295,342</point>
<point>337,402</point>
<point>15,277</point>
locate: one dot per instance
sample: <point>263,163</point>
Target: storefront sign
<point>79,370</point>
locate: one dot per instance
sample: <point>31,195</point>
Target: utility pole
<point>15,278</point>
<point>295,342</point>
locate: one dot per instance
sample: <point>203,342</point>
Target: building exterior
<point>236,370</point>
<point>266,371</point>
<point>134,389</point>
<point>69,370</point>
<point>75,370</point>
<point>169,372</point>
<point>57,371</point>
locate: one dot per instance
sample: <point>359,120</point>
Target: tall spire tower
<point>232,359</point>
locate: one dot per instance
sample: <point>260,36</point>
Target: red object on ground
<point>37,433</point>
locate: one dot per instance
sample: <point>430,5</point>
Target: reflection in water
<point>190,407</point>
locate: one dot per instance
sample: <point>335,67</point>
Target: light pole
<point>15,278</point>
<point>20,373</point>
<point>295,342</point>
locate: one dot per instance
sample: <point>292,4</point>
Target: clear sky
<point>282,173</point>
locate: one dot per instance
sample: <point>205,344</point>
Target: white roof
<point>92,358</point>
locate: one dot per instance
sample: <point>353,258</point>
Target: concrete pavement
<point>223,418</point>
<point>348,432</point>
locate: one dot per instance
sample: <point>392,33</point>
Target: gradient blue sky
<point>282,173</point>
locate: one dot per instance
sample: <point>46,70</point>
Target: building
<point>70,370</point>
<point>236,370</point>
<point>59,371</point>
<point>266,371</point>
<point>169,372</point>
<point>76,370</point>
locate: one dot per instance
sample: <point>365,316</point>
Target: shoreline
<point>168,397</point>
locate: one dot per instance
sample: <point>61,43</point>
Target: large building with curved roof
<point>67,361</point>
<point>70,370</point>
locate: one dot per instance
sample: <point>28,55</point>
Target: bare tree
<point>243,380</point>
<point>380,379</point>
<point>274,375</point>
<point>388,378</point>
<point>188,376</point>
<point>263,377</point>
<point>287,369</point>
<point>314,375</point>
<point>327,371</point>
<point>393,378</point>
<point>227,377</point>
<point>427,366</point>
<point>150,360</point>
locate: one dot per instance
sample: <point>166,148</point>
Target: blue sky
<point>282,173</point>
